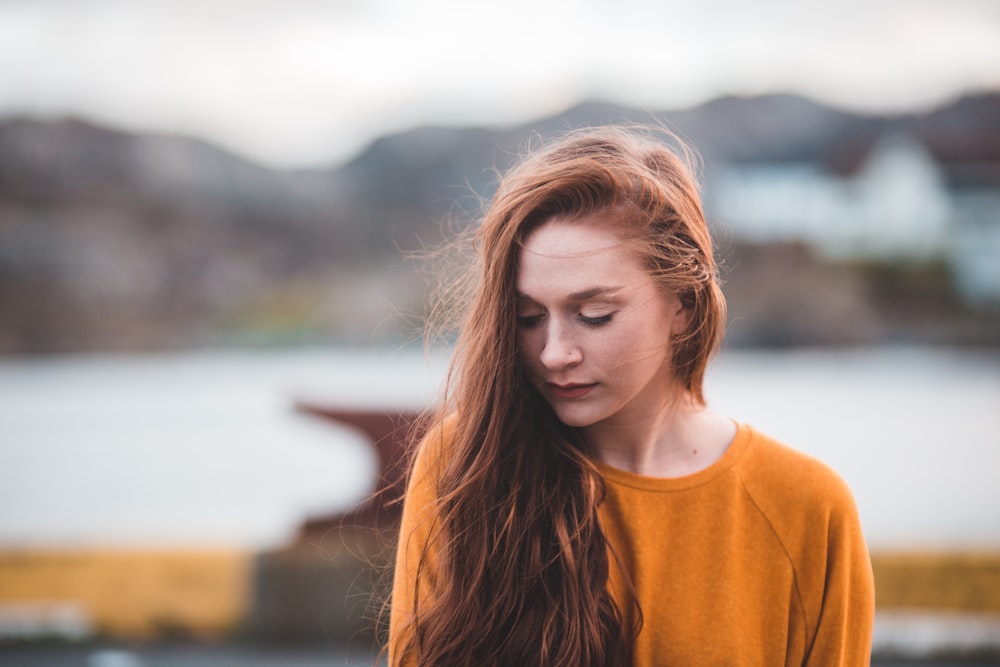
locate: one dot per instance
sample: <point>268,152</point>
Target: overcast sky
<point>306,82</point>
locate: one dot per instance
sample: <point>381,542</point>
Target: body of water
<point>190,449</point>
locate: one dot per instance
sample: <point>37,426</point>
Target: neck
<point>680,439</point>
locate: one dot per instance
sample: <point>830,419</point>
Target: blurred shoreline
<point>833,228</point>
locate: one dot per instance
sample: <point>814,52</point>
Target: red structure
<point>389,432</point>
<point>331,582</point>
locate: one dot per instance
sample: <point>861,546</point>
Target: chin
<point>576,418</point>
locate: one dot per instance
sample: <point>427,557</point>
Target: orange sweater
<point>757,560</point>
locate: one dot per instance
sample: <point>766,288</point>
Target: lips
<point>570,390</point>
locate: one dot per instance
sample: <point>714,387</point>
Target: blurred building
<point>897,203</point>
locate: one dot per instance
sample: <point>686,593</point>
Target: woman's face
<point>594,329</point>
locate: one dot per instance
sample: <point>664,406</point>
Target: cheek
<point>527,346</point>
<point>638,333</point>
<point>613,349</point>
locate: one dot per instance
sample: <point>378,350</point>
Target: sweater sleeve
<point>813,514</point>
<point>413,557</point>
<point>847,609</point>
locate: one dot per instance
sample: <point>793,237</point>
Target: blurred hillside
<point>110,240</point>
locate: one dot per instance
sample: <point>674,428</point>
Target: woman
<point>576,502</point>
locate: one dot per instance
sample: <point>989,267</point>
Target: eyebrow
<point>583,295</point>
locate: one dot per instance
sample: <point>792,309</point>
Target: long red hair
<point>520,561</point>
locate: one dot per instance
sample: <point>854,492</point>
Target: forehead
<point>570,256</point>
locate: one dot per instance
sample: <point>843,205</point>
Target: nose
<point>559,350</point>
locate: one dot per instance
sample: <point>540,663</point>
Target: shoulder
<point>420,502</point>
<point>428,460</point>
<point>807,505</point>
<point>782,477</point>
<point>433,446</point>
<point>812,513</point>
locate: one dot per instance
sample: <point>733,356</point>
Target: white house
<point>896,205</point>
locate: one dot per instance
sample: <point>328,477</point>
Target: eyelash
<point>594,322</point>
<point>531,321</point>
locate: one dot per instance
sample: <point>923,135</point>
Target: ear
<point>681,315</point>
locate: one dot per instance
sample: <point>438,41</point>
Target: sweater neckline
<point>736,449</point>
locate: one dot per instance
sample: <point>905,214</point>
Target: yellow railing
<point>132,594</point>
<point>207,594</point>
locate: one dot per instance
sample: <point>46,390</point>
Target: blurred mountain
<point>113,240</point>
<point>440,164</point>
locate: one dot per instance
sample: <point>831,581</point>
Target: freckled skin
<point>616,341</point>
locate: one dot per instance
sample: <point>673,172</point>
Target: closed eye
<point>528,321</point>
<point>596,321</point>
